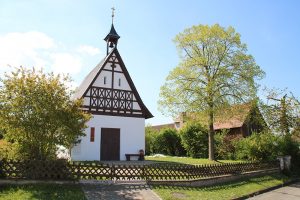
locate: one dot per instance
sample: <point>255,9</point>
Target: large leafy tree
<point>215,70</point>
<point>37,112</point>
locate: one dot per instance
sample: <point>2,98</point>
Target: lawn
<point>41,192</point>
<point>222,191</point>
<point>186,160</point>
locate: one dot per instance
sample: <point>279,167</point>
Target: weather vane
<point>113,14</point>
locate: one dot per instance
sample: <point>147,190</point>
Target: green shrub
<point>9,151</point>
<point>195,140</point>
<point>225,145</point>
<point>259,146</point>
<point>267,146</point>
<point>168,142</point>
<point>150,136</point>
<point>290,146</point>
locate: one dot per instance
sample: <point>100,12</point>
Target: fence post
<point>112,172</point>
<point>143,172</point>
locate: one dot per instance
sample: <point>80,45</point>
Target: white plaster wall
<point>117,67</point>
<point>109,67</point>
<point>124,83</point>
<point>86,100</point>
<point>136,106</point>
<point>99,82</point>
<point>132,137</point>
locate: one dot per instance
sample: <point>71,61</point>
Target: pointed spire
<point>112,14</point>
<point>112,37</point>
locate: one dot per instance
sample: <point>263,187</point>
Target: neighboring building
<point>241,120</point>
<point>238,120</point>
<point>159,127</point>
<point>117,126</point>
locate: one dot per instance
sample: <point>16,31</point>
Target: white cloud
<point>36,49</point>
<point>18,49</point>
<point>65,63</point>
<point>88,50</point>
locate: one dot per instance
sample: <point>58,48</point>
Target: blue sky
<point>66,36</point>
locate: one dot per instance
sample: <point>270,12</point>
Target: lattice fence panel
<point>90,171</point>
<point>128,172</point>
<point>61,169</point>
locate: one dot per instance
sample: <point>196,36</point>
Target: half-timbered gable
<point>109,90</point>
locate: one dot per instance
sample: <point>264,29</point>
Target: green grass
<point>222,191</point>
<point>41,192</point>
<point>187,160</point>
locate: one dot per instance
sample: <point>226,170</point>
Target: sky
<point>66,36</point>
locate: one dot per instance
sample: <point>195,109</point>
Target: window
<point>92,135</point>
<point>119,82</point>
<point>104,80</point>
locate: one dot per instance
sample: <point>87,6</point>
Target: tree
<point>296,131</point>
<point>281,111</point>
<point>1,132</point>
<point>215,71</point>
<point>37,112</point>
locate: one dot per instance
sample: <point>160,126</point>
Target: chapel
<point>117,126</point>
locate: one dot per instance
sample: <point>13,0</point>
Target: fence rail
<point>64,170</point>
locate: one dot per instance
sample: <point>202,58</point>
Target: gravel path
<point>119,191</point>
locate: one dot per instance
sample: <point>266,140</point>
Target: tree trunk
<point>211,139</point>
<point>284,124</point>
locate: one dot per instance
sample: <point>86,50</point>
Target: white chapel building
<point>117,126</point>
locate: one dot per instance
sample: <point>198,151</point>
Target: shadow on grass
<point>116,191</point>
<point>42,191</point>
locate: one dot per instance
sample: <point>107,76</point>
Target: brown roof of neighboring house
<point>232,117</point>
<point>232,123</point>
<point>162,126</point>
<point>236,117</point>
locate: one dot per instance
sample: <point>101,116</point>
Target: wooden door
<point>110,144</point>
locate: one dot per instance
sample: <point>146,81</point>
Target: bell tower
<point>112,37</point>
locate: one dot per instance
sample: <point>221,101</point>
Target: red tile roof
<point>162,126</point>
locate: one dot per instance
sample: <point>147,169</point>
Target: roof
<point>112,33</point>
<point>235,116</point>
<point>232,123</point>
<point>91,77</point>
<point>232,117</point>
<point>162,126</point>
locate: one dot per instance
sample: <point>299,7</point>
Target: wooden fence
<point>64,170</point>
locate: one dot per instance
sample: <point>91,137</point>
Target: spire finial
<point>112,14</point>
